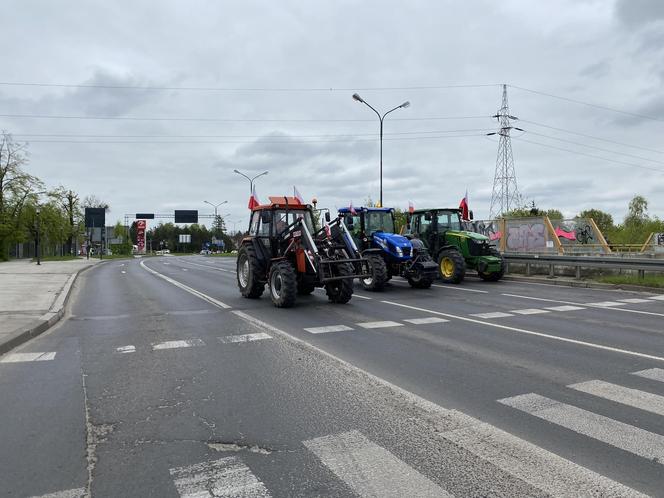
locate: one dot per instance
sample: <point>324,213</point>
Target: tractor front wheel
<point>283,284</point>
<point>451,266</point>
<point>420,282</point>
<point>378,278</point>
<point>249,273</point>
<point>496,275</point>
<point>340,291</point>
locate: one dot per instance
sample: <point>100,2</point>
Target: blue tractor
<point>388,253</point>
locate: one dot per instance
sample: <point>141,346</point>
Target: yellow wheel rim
<point>447,267</point>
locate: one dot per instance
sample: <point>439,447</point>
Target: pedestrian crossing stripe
<point>26,357</point>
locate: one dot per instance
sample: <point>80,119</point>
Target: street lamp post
<point>37,248</point>
<point>251,180</point>
<point>380,118</point>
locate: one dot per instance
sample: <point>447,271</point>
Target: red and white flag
<point>253,200</point>
<point>463,205</point>
<point>297,195</point>
<point>411,207</point>
<point>351,208</point>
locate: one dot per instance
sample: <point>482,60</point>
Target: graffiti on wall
<point>659,239</point>
<point>487,228</point>
<point>526,237</point>
<point>575,232</point>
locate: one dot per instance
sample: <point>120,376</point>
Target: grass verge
<point>647,281</point>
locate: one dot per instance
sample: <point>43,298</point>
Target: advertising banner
<point>140,235</point>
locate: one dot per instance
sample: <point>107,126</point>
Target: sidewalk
<point>32,297</point>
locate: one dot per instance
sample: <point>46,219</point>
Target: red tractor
<point>286,251</point>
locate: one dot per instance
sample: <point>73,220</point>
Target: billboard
<point>95,217</point>
<point>186,216</point>
<point>140,235</point>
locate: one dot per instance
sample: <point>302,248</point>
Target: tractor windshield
<point>379,221</point>
<point>283,219</point>
<point>448,220</point>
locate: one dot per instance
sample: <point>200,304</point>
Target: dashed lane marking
<point>379,325</point>
<point>126,349</point>
<point>25,357</point>
<point>605,304</point>
<point>123,271</point>
<point>245,338</point>
<point>529,311</point>
<point>188,343</point>
<point>565,307</point>
<point>68,493</point>
<point>329,328</point>
<point>369,469</point>
<point>624,395</point>
<point>652,374</point>
<point>456,287</point>
<point>657,298</point>
<point>424,321</point>
<point>226,477</point>
<point>493,314</point>
<point>635,300</point>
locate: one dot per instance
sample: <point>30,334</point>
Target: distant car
<point>205,252</point>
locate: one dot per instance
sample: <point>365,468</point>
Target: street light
<point>380,118</point>
<point>251,180</point>
<point>38,211</point>
<point>215,206</point>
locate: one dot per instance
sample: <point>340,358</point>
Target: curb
<point>47,320</point>
<point>583,284</point>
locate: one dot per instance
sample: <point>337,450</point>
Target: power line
<point>589,155</point>
<point>589,104</point>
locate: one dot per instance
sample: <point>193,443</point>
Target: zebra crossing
<point>382,324</point>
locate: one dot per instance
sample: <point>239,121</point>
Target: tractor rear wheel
<point>249,272</point>
<point>283,284</point>
<point>340,291</point>
<point>496,275</point>
<point>451,266</point>
<point>378,278</point>
<point>420,282</point>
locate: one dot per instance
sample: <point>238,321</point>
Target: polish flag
<point>253,200</point>
<point>351,208</point>
<point>297,195</point>
<point>411,207</point>
<point>463,205</point>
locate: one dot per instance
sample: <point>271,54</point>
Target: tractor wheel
<point>420,282</point>
<point>378,278</point>
<point>496,275</point>
<point>283,284</point>
<point>340,291</point>
<point>249,273</point>
<point>451,266</point>
<point>305,288</point>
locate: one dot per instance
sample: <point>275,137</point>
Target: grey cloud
<point>596,70</point>
<point>636,13</point>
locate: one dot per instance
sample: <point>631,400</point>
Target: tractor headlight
<point>399,252</point>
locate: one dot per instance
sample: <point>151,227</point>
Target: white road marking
<point>24,357</point>
<point>538,467</point>
<point>624,395</point>
<point>369,469</point>
<point>493,314</point>
<point>186,288</point>
<point>635,300</point>
<point>531,332</point>
<point>126,349</point>
<point>68,493</point>
<point>226,477</point>
<point>184,269</point>
<point>593,305</point>
<point>188,343</point>
<point>424,321</point>
<point>123,271</point>
<point>329,328</point>
<point>379,325</point>
<point>361,296</point>
<point>652,374</point>
<point>565,307</point>
<point>245,338</point>
<point>529,311</point>
<point>605,304</point>
<point>164,263</point>
<point>624,436</point>
<point>457,287</point>
<point>657,298</point>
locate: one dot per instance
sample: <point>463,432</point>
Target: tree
<point>70,203</point>
<point>604,221</point>
<point>637,211</point>
<point>92,201</point>
<point>219,226</point>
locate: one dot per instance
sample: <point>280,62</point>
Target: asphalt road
<point>163,381</point>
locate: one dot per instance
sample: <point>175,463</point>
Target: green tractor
<point>441,231</point>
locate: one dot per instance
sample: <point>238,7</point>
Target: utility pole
<point>505,194</point>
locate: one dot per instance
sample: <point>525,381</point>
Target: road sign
<point>95,217</point>
<point>145,216</point>
<point>186,216</point>
<point>185,239</point>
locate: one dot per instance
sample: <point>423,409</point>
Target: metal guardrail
<point>608,262</point>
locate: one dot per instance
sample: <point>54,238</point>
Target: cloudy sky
<point>152,105</point>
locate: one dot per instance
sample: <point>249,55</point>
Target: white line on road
<point>379,325</point>
<point>529,311</point>
<point>531,332</point>
<point>456,287</point>
<point>657,298</point>
<point>635,300</point>
<point>590,305</point>
<point>652,374</point>
<point>226,477</point>
<point>329,328</point>
<point>126,349</point>
<point>369,469</point>
<point>624,395</point>
<point>424,321</point>
<point>624,436</point>
<point>68,493</point>
<point>245,338</point>
<point>187,343</point>
<point>493,314</point>
<point>605,304</point>
<point>123,271</point>
<point>184,269</point>
<point>565,307</point>
<point>24,357</point>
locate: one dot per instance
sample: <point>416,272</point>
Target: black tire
<point>420,282</point>
<point>249,273</point>
<point>496,275</point>
<point>340,291</point>
<point>451,266</point>
<point>305,288</point>
<point>376,282</point>
<point>283,284</point>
